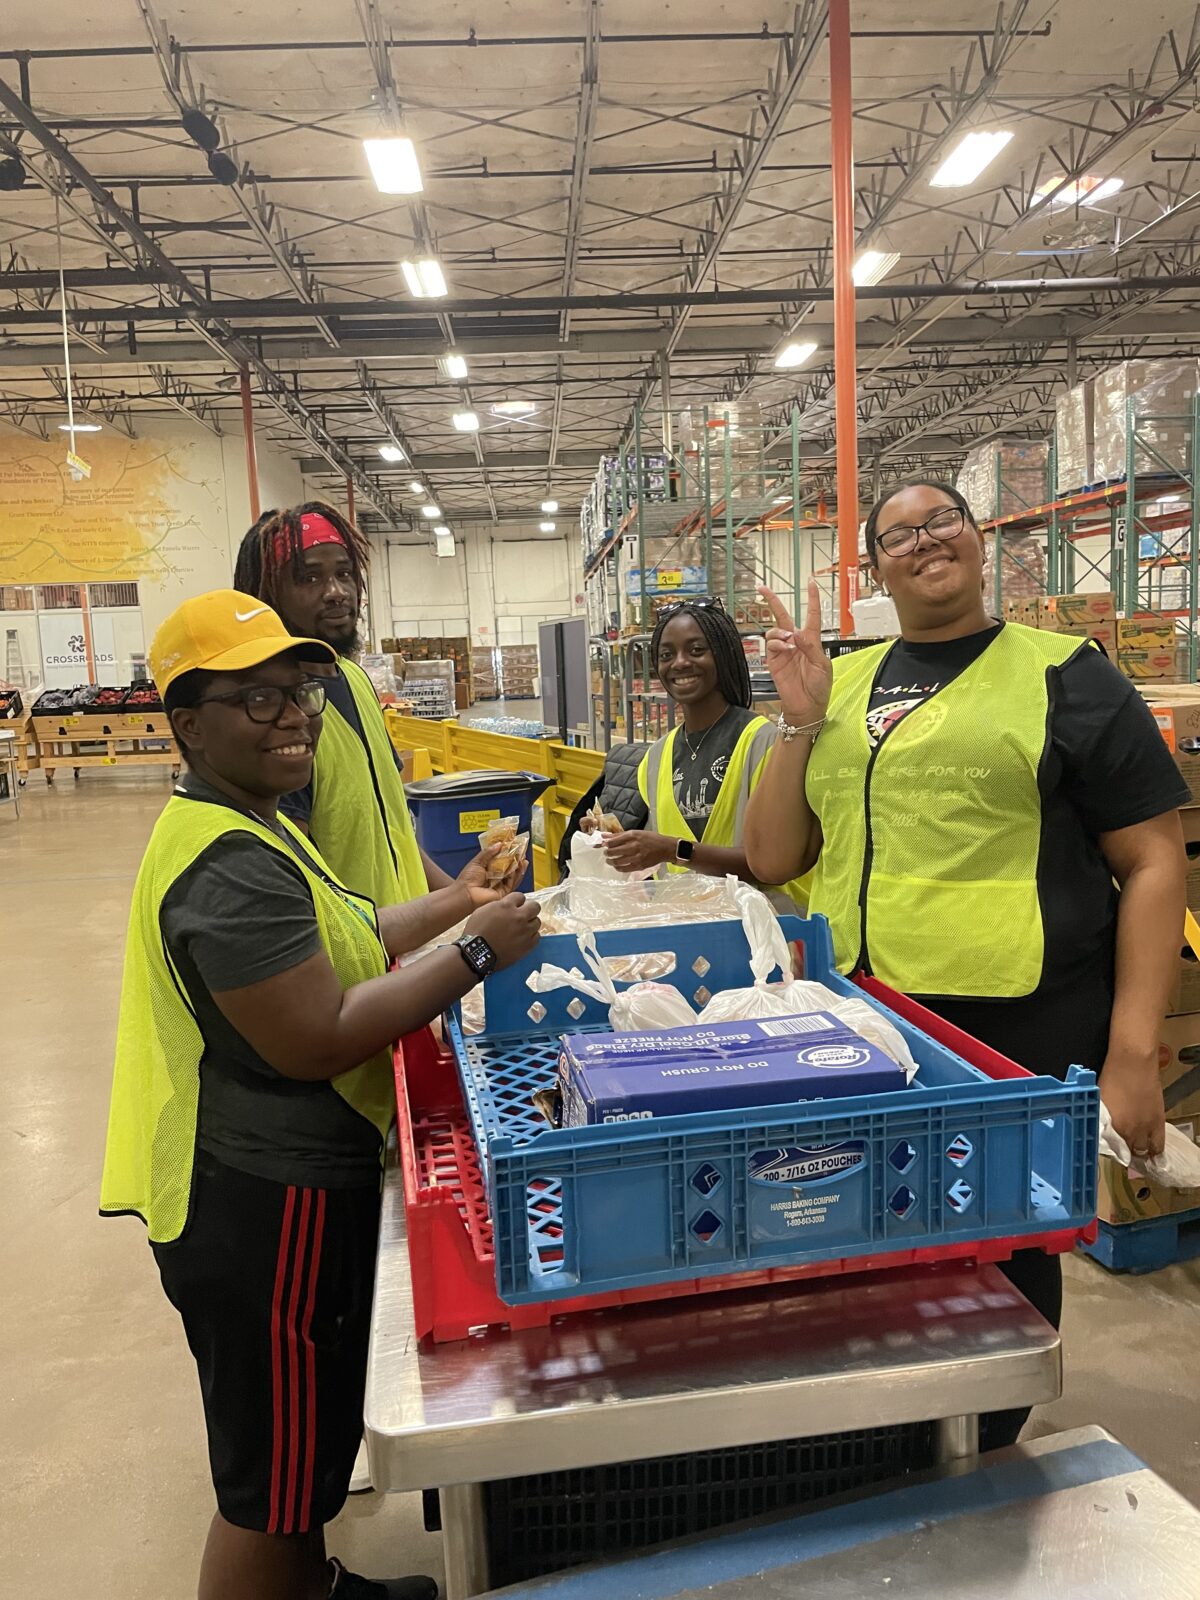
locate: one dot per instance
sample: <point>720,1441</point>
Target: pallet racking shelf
<point>730,495</point>
<point>1120,513</point>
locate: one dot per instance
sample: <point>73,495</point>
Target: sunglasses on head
<point>704,602</point>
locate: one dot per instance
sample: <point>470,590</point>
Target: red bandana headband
<point>314,529</point>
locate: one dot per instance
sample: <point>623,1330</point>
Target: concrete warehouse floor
<point>106,1489</point>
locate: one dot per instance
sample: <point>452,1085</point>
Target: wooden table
<point>113,738</point>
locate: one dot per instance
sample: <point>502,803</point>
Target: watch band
<point>477,953</point>
<point>685,849</point>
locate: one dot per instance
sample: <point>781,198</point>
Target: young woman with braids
<point>696,781</point>
<point>310,564</point>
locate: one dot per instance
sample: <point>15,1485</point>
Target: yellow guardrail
<point>452,746</point>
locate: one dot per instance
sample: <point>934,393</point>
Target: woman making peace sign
<point>967,795</point>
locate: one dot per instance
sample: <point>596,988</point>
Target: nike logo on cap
<point>245,616</point>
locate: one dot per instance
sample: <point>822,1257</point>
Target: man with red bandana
<point>310,564</point>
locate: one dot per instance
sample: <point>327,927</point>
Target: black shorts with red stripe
<point>274,1283</point>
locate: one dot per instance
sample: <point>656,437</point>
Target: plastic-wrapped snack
<point>605,822</point>
<point>641,1008</point>
<point>511,857</point>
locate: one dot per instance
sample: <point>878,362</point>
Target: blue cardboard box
<point>626,1077</point>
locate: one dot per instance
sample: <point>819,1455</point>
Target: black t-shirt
<point>698,768</point>
<point>242,913</point>
<point>298,805</point>
<point>1106,767</point>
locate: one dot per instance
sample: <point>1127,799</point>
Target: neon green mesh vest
<point>928,866</point>
<point>156,1080</point>
<point>656,784</point>
<point>360,821</point>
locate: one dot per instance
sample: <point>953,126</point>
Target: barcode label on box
<point>781,1025</point>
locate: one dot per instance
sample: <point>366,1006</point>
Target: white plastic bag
<point>769,952</point>
<point>1177,1168</point>
<point>642,1007</point>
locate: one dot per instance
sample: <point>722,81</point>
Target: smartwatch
<point>685,849</point>
<point>477,953</point>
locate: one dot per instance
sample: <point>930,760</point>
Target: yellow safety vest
<point>928,865</point>
<point>360,821</point>
<point>723,826</point>
<point>156,1080</point>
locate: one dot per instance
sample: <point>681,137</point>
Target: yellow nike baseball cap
<point>223,631</point>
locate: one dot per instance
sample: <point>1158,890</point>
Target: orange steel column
<point>251,457</point>
<point>845,365</point>
<point>349,499</point>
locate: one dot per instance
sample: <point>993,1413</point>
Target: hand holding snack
<point>597,821</point>
<point>505,853</point>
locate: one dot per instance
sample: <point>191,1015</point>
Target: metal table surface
<point>1075,1516</point>
<point>822,1356</point>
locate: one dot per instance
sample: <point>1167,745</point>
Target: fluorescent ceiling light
<point>417,488</point>
<point>391,452</point>
<point>781,499</point>
<point>968,158</point>
<point>454,367</point>
<point>549,507</point>
<point>546,527</point>
<point>873,265</point>
<point>1087,190</point>
<point>81,427</point>
<point>441,529</point>
<point>796,354</point>
<point>515,408</point>
<point>466,421</point>
<point>424,278</point>
<point>394,165</point>
<point>431,511</point>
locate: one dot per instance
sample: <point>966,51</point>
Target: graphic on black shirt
<point>697,779</point>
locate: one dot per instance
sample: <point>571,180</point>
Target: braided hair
<point>274,545</point>
<point>723,639</point>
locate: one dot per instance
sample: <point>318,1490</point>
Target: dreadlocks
<point>723,639</point>
<point>274,544</point>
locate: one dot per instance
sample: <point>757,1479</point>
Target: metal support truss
<point>60,173</point>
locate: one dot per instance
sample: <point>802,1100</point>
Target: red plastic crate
<point>450,1231</point>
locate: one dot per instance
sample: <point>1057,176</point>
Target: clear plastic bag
<point>643,1007</point>
<point>792,997</point>
<point>1177,1168</point>
<point>513,853</point>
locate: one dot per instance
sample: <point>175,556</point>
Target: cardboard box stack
<point>519,671</point>
<point>455,648</point>
<point>485,678</point>
<point>1074,438</point>
<point>1005,477</point>
<point>1158,390</point>
<point>1143,646</point>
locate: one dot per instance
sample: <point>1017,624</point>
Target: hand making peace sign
<point>803,673</point>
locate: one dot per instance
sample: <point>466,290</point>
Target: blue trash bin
<point>451,810</point>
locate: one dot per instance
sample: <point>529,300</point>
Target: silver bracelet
<point>787,732</point>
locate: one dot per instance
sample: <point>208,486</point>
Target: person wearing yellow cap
<point>252,1091</point>
<point>310,563</point>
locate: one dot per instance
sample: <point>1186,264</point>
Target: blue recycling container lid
<point>472,785</point>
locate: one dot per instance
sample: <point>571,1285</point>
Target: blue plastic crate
<point>956,1157</point>
<point>1147,1246</point>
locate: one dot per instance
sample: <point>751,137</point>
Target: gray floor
<point>105,1485</point>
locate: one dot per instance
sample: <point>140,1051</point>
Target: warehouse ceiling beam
<point>585,128</point>
<point>944,115</point>
<point>378,42</point>
<point>172,390</point>
<point>60,173</point>
<point>1016,204</point>
<point>258,212</point>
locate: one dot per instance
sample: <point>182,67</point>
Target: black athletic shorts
<point>274,1286</point>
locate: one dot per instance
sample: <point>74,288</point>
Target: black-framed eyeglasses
<point>703,602</point>
<point>265,702</point>
<point>944,525</point>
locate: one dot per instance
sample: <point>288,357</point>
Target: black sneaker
<point>349,1586</point>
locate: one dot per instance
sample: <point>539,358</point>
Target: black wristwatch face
<point>478,954</point>
<point>684,849</point>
